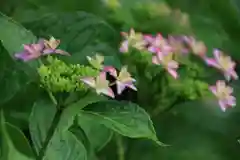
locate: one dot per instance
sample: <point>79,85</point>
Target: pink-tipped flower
<point>132,39</point>
<point>178,44</point>
<point>198,47</point>
<point>96,61</point>
<point>124,48</point>
<point>223,63</point>
<point>100,84</point>
<point>123,79</point>
<point>157,43</point>
<point>31,51</point>
<point>224,95</point>
<point>166,60</point>
<point>51,47</point>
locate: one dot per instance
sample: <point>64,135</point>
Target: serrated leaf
<point>128,119</point>
<point>13,144</point>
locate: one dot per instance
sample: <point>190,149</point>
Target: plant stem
<point>120,147</point>
<point>50,134</point>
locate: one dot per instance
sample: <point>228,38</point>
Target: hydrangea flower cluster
<point>164,51</point>
<point>42,48</point>
<point>101,84</point>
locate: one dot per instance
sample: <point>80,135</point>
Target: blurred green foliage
<point>197,129</point>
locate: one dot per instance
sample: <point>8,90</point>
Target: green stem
<point>120,147</point>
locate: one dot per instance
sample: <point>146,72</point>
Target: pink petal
<point>111,70</point>
<point>155,60</point>
<point>148,38</point>
<point>124,47</point>
<point>212,62</point>
<point>89,81</point>
<point>213,89</point>
<point>173,64</point>
<point>222,105</point>
<point>153,49</point>
<point>120,87</point>
<point>173,73</point>
<point>102,76</point>
<point>59,51</point>
<point>231,101</point>
<point>48,51</point>
<point>217,54</point>
<point>106,91</point>
<point>234,75</point>
<point>131,85</point>
<point>28,48</point>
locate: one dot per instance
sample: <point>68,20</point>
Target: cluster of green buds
<point>166,52</point>
<point>57,76</point>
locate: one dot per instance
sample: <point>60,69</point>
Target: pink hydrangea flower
<point>31,51</point>
<point>223,94</point>
<point>178,44</point>
<point>198,47</point>
<point>123,79</point>
<point>96,61</point>
<point>166,59</point>
<point>43,47</point>
<point>132,39</point>
<point>223,63</point>
<point>157,43</point>
<point>100,84</point>
<point>124,48</point>
<point>51,45</point>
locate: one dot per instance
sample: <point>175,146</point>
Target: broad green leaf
<point>40,120</point>
<point>65,146</point>
<point>62,144</point>
<point>72,110</point>
<point>13,78</point>
<point>43,115</point>
<point>13,144</point>
<point>13,35</point>
<point>128,119</point>
<point>96,132</point>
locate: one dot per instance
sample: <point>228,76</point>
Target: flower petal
<point>213,89</point>
<point>173,73</point>
<point>120,87</point>
<point>106,91</point>
<point>111,70</point>
<point>222,105</point>
<point>124,47</point>
<point>212,62</point>
<point>217,54</point>
<point>23,56</point>
<point>155,60</point>
<point>89,81</point>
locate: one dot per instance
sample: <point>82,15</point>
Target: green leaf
<point>13,35</point>
<point>65,146</point>
<point>13,144</point>
<point>74,109</point>
<point>12,77</point>
<point>44,113</point>
<point>96,132</point>
<point>128,119</point>
<point>59,144</point>
<point>40,120</point>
